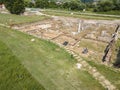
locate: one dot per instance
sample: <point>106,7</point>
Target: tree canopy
<point>107,5</point>
<point>15,6</point>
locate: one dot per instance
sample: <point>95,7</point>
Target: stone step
<point>96,75</point>
<point>101,78</point>
<point>77,57</point>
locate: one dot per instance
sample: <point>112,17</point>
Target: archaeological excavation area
<point>76,34</point>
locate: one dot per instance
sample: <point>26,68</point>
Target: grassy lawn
<point>49,64</point>
<point>110,74</point>
<point>77,14</point>
<point>13,75</point>
<point>110,12</point>
<point>10,19</point>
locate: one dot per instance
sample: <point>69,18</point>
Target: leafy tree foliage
<point>52,4</point>
<point>1,1</point>
<point>42,3</point>
<point>15,6</point>
<point>116,4</point>
<point>107,5</point>
<point>74,5</point>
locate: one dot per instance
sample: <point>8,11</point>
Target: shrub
<point>15,6</point>
<point>74,5</point>
<point>106,5</point>
<point>42,3</point>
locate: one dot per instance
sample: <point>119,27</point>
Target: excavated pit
<point>95,33</point>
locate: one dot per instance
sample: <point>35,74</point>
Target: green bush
<point>29,4</point>
<point>116,4</point>
<point>42,3</point>
<point>74,5</point>
<point>106,5</point>
<point>15,6</point>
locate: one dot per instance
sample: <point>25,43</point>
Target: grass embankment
<point>13,75</point>
<point>10,19</point>
<point>111,75</point>
<point>110,12</point>
<point>49,64</point>
<point>78,14</point>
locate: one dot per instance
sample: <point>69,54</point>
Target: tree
<point>116,4</point>
<point>52,4</point>
<point>15,6</point>
<point>104,5</point>
<point>74,5</point>
<point>42,3</point>
<point>1,1</point>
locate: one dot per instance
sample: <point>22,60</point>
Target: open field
<point>80,14</point>
<point>49,64</point>
<point>9,19</point>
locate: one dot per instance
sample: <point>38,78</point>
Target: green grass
<point>95,46</point>
<point>13,75</point>
<point>110,12</point>
<point>110,74</point>
<point>77,14</point>
<point>49,64</point>
<point>10,19</point>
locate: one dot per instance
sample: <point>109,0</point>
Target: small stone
<point>32,40</point>
<point>71,13</point>
<point>79,65</point>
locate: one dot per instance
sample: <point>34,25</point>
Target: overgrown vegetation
<point>18,6</point>
<point>15,6</point>
<point>107,5</point>
<point>100,6</point>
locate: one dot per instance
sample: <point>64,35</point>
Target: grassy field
<point>111,75</point>
<point>110,12</point>
<point>10,19</point>
<point>49,64</point>
<point>77,14</point>
<point>13,75</point>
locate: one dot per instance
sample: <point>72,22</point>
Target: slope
<point>49,64</point>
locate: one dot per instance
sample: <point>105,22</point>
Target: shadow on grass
<point>117,63</point>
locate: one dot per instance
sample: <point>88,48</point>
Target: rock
<point>32,40</point>
<point>105,39</point>
<point>79,65</point>
<point>104,34</point>
<point>92,36</point>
